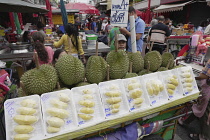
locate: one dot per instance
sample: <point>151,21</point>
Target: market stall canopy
<point>171,7</point>
<point>84,8</point>
<point>19,7</point>
<point>58,11</point>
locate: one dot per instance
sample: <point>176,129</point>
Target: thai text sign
<point>119,13</point>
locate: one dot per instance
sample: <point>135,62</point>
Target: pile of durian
<point>113,98</point>
<point>172,84</point>
<point>187,80</point>
<point>87,110</point>
<point>154,87</point>
<point>135,92</point>
<point>25,119</point>
<point>58,112</point>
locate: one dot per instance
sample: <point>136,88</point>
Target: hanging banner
<point>119,13</point>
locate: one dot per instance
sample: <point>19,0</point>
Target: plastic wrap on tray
<point>114,98</point>
<point>88,105</point>
<point>23,118</point>
<point>59,114</point>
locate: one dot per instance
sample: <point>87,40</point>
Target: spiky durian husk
<point>155,60</point>
<point>166,57</point>
<point>82,84</point>
<point>119,64</point>
<point>38,81</point>
<point>96,69</point>
<point>137,61</point>
<point>143,72</point>
<point>70,69</point>
<point>129,75</point>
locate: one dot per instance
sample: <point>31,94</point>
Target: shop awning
<point>171,7</point>
<point>19,7</point>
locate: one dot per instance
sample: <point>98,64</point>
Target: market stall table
<point>102,48</point>
<point>22,57</point>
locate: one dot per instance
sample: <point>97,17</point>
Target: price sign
<point>119,13</point>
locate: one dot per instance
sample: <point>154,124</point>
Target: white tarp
<point>171,7</point>
<point>119,13</point>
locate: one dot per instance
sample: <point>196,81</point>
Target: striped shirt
<point>158,33</point>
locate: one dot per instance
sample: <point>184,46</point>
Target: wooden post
<point>108,67</point>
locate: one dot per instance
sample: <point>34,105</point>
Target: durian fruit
<point>55,122</point>
<point>23,129</point>
<point>155,60</point>
<point>114,100</point>
<point>188,80</point>
<point>135,94</point>
<point>119,64</point>
<point>88,96</point>
<point>137,61</point>
<point>130,75</point>
<point>167,67</point>
<point>56,112</point>
<point>149,88</point>
<point>70,69</point>
<point>28,103</point>
<point>173,81</point>
<point>167,57</point>
<point>170,86</point>
<point>189,89</point>
<point>40,80</point>
<point>51,129</point>
<point>115,110</point>
<point>58,104</point>
<point>170,91</point>
<point>96,69</point>
<point>85,117</point>
<point>133,86</point>
<point>25,119</point>
<point>82,84</point>
<point>26,111</point>
<point>187,85</point>
<point>179,66</point>
<point>138,101</point>
<point>145,71</point>
<point>186,75</point>
<point>87,110</point>
<point>22,137</point>
<point>87,103</point>
<point>63,97</point>
<point>115,106</point>
<point>113,93</point>
<point>87,91</point>
<point>162,69</point>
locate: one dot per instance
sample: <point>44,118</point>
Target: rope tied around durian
<point>148,67</point>
<point>108,67</point>
<point>169,63</point>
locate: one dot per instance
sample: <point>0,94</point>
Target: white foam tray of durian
<point>136,95</point>
<point>88,105</point>
<point>172,83</point>
<point>59,114</point>
<point>114,98</point>
<point>23,118</point>
<point>187,78</point>
<point>153,85</point>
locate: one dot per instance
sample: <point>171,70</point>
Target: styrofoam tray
<point>10,109</point>
<point>159,99</point>
<point>181,70</point>
<point>178,92</point>
<point>114,85</point>
<point>71,123</point>
<point>132,106</point>
<point>78,95</point>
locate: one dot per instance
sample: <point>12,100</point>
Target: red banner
<point>169,1</point>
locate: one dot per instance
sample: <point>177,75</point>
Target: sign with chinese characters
<point>119,13</point>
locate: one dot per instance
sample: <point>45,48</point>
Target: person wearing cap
<point>121,42</point>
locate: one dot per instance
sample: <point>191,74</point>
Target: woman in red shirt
<point>45,53</point>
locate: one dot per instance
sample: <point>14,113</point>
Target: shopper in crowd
<point>111,37</point>
<point>40,28</point>
<point>202,26</point>
<point>59,33</point>
<point>93,25</point>
<point>105,22</point>
<point>200,110</point>
<point>77,21</point>
<point>157,36</point>
<point>26,37</point>
<point>167,21</point>
<point>108,28</point>
<point>45,53</point>
<point>71,41</point>
<point>154,22</point>
<point>121,42</point>
<point>139,26</point>
<point>57,54</point>
<point>99,24</point>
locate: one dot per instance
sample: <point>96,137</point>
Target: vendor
<point>71,41</point>
<point>45,54</point>
<point>122,42</point>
